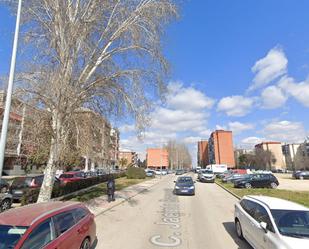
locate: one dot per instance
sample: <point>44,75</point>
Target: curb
<point>126,199</point>
<point>229,191</point>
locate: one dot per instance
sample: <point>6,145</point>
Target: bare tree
<point>179,155</point>
<point>100,54</point>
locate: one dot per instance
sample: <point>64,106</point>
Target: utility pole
<point>6,115</point>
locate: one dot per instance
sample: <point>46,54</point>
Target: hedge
<point>31,195</point>
<point>136,173</point>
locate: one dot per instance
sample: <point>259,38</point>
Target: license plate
<point>184,191</point>
<point>18,192</point>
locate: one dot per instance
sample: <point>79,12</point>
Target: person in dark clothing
<point>111,189</point>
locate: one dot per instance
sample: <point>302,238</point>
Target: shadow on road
<point>230,228</point>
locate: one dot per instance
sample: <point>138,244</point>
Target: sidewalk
<point>100,205</point>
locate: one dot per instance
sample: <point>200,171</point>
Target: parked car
<point>5,202</point>
<point>72,176</point>
<point>184,185</point>
<point>21,184</point>
<point>61,225</point>
<point>257,181</point>
<point>4,186</point>
<point>233,177</point>
<point>179,172</point>
<point>272,223</point>
<point>301,175</point>
<point>206,175</point>
<point>150,173</point>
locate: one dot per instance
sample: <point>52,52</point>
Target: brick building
<point>202,153</point>
<point>220,148</point>
<point>157,158</point>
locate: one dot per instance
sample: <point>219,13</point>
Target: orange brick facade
<point>157,157</point>
<point>221,149</point>
<point>202,156</point>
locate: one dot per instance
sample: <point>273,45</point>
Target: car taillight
<point>33,184</point>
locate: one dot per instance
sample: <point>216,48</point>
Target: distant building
<point>130,156</point>
<point>276,149</point>
<point>220,148</point>
<point>239,152</point>
<point>296,155</point>
<point>157,158</point>
<point>114,146</point>
<point>202,153</point>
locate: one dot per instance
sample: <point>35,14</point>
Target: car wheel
<point>4,189</point>
<point>5,205</point>
<point>85,244</point>
<point>273,185</point>
<point>238,229</point>
<point>248,185</point>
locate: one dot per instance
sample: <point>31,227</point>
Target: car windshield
<point>206,171</point>
<point>293,223</point>
<point>184,181</point>
<point>10,235</point>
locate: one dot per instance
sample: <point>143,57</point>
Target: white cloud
<point>180,97</point>
<point>300,91</point>
<point>249,142</point>
<point>221,127</point>
<point>267,69</point>
<point>236,105</point>
<point>191,140</point>
<point>238,127</point>
<point>285,131</point>
<point>273,97</point>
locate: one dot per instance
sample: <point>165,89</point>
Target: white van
<point>217,168</point>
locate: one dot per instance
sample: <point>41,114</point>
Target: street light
<point>8,100</point>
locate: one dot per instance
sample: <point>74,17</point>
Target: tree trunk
<point>53,160</point>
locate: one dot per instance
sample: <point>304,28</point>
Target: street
<point>158,219</point>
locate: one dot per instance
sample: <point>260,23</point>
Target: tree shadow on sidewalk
<point>230,228</point>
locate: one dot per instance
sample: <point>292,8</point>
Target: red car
<point>51,225</point>
<point>73,176</point>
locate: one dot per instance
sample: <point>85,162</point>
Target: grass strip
<point>301,197</point>
<point>101,189</point>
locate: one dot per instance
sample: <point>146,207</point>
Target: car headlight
<point>192,187</point>
<point>176,187</point>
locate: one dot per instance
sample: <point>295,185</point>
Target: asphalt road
<point>159,219</point>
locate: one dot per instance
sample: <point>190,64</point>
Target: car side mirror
<point>175,181</point>
<point>263,225</point>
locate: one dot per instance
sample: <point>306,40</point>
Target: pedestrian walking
<point>111,189</point>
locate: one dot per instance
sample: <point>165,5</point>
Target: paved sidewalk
<point>100,204</point>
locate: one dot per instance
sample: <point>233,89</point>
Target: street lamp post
<point>8,100</point>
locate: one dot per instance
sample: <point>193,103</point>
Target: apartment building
<point>277,160</point>
<point>202,153</point>
<point>157,158</point>
<point>220,148</point>
<point>296,155</point>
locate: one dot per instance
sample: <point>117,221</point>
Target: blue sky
<point>239,65</point>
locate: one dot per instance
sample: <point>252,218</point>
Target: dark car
<point>184,185</point>
<point>179,172</point>
<point>5,201</point>
<point>301,175</point>
<point>4,186</point>
<point>50,225</point>
<point>22,184</point>
<point>257,181</point>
